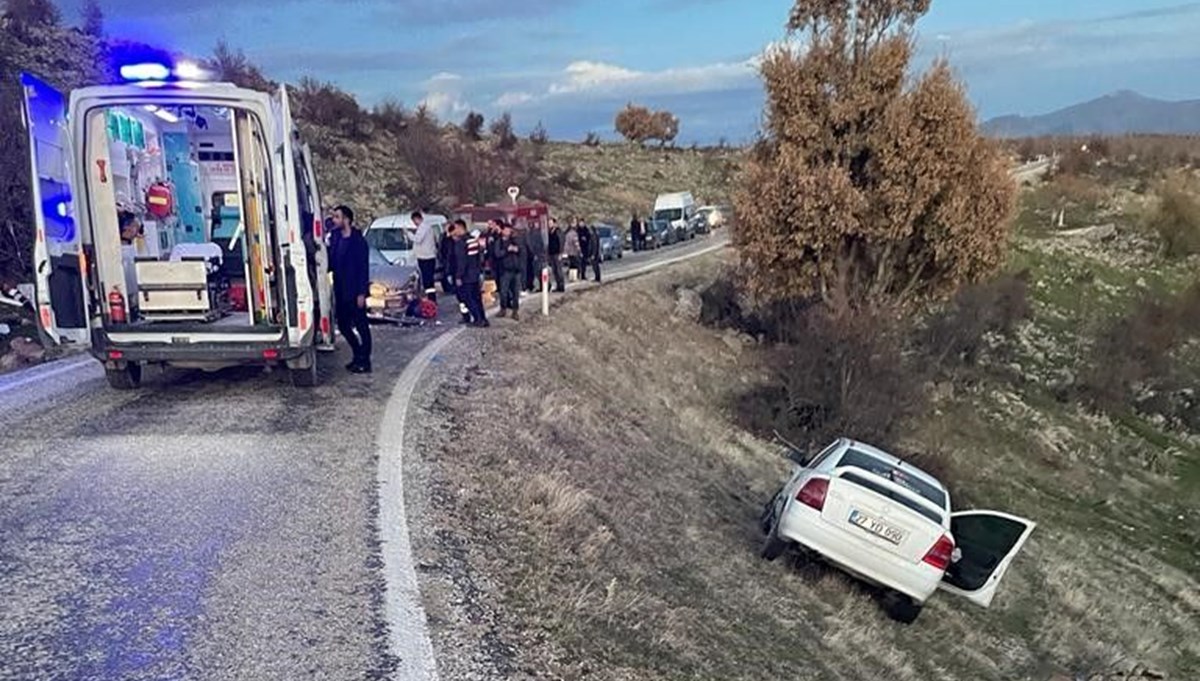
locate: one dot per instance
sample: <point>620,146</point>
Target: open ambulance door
<point>986,542</point>
<point>59,262</point>
<point>304,319</point>
<point>319,254</point>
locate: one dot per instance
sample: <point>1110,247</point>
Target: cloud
<point>444,95</point>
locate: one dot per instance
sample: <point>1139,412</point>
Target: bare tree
<point>502,130</point>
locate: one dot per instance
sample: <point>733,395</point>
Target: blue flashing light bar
<point>145,72</point>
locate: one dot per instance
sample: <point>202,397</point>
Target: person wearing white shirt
<point>425,247</point>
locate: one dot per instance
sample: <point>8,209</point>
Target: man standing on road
<point>593,253</point>
<point>467,273</point>
<point>637,232</point>
<point>535,256</point>
<point>349,262</point>
<point>510,261</point>
<point>425,248</point>
<point>554,251</point>
<point>585,248</point>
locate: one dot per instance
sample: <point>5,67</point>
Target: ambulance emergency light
<point>158,73</point>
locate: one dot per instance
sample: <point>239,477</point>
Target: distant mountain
<point>1116,114</point>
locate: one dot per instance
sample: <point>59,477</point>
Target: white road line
<point>408,631</point>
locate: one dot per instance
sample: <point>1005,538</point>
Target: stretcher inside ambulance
<point>177,224</point>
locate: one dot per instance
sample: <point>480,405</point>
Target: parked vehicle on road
<point>890,524</point>
<point>392,289</point>
<point>612,243</point>
<point>131,266</point>
<point>659,233</point>
<point>393,236</point>
<point>676,209</point>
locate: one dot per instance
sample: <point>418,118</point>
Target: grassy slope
<point>601,183</point>
<point>619,519</point>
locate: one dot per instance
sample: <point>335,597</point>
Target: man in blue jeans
<point>509,258</point>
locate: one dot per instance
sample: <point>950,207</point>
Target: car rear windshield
<point>856,459</point>
<point>605,232</point>
<point>882,491</point>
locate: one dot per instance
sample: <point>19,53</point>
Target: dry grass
<point>604,486</point>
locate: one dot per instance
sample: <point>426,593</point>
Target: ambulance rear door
<point>60,262</point>
<point>318,252</point>
<point>300,303</point>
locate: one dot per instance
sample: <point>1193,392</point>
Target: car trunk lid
<point>876,510</point>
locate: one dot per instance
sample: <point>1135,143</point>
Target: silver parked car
<point>612,243</point>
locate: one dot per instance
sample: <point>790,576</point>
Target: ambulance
<point>177,223</point>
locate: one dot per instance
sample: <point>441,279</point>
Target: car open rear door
<point>987,542</point>
<point>60,265</point>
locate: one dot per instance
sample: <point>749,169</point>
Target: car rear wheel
<point>128,377</point>
<point>902,608</point>
<point>774,545</point>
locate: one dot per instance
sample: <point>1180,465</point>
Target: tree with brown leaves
<point>635,123</point>
<point>868,186</point>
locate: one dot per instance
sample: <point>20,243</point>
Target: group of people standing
<point>514,254</point>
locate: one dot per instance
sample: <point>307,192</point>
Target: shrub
<point>539,136</point>
<point>1176,220</point>
<point>592,140</point>
<point>473,126</point>
<point>860,175</point>
<point>955,335</point>
<point>502,130</point>
<point>639,124</point>
<point>849,376</point>
<point>1133,356</point>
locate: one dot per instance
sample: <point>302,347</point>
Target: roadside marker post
<point>545,291</point>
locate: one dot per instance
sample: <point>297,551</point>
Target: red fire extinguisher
<point>116,306</point>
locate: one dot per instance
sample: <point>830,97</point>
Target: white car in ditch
<point>890,524</point>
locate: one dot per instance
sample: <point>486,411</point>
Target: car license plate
<point>876,527</point>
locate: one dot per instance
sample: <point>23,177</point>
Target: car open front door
<point>60,265</point>
<point>986,542</point>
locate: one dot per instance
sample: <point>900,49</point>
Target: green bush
<point>1176,220</point>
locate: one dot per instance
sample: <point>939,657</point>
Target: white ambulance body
<point>229,266</point>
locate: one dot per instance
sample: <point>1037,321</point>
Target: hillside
<point>1115,114</point>
<point>602,525</point>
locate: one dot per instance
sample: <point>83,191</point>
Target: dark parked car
<point>612,243</point>
<point>659,233</point>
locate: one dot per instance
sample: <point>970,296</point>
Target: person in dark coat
<point>554,252</point>
<point>510,260</point>
<point>637,232</point>
<point>592,253</point>
<point>468,273</point>
<point>350,264</point>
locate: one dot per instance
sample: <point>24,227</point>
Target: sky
<point>571,64</point>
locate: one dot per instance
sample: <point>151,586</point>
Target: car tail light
<point>813,493</point>
<point>270,353</point>
<point>115,354</point>
<point>939,555</point>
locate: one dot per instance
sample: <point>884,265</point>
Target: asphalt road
<point>207,526</point>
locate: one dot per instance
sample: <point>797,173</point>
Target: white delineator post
<point>545,291</point>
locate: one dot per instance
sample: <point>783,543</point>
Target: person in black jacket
<point>468,271</point>
<point>350,264</point>
<point>509,256</point>
<point>554,252</point>
<point>592,253</point>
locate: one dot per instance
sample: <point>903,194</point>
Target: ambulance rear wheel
<point>304,371</point>
<point>128,377</point>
